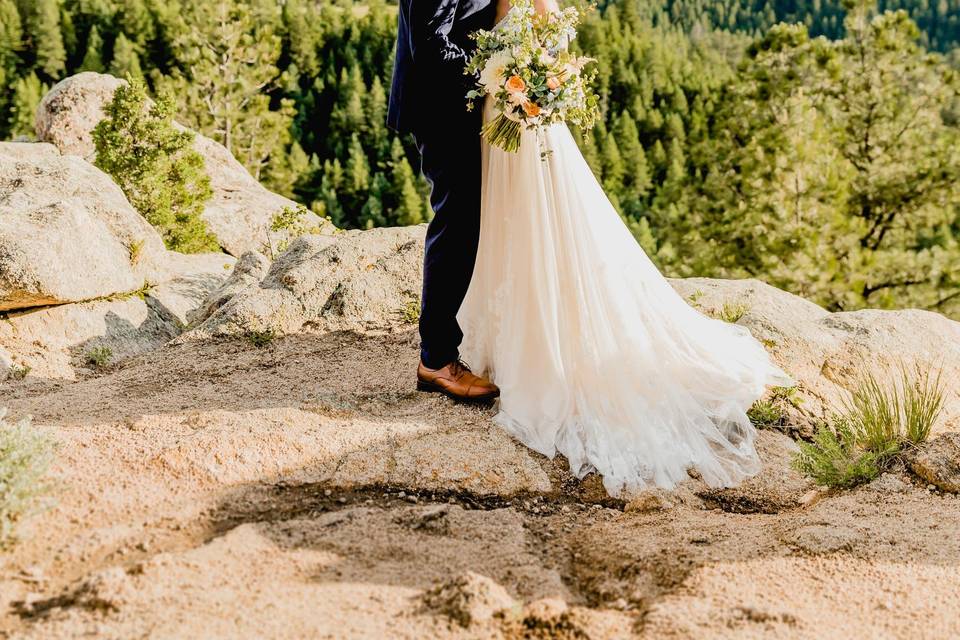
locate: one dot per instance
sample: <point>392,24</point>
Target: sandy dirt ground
<point>304,490</point>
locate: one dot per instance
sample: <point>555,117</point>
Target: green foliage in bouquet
<point>526,66</point>
<point>156,166</point>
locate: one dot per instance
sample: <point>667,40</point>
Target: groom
<point>427,100</point>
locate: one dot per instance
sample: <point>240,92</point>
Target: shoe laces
<point>459,367</point>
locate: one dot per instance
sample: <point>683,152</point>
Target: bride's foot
<point>456,381</point>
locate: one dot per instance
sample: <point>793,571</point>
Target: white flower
<point>492,75</point>
<point>546,58</point>
<point>517,98</point>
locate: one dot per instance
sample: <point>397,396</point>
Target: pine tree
<point>48,39</point>
<point>126,62</point>
<point>11,41</point>
<point>357,169</point>
<point>155,164</point>
<point>227,51</point>
<point>634,159</point>
<point>135,20</point>
<point>27,93</point>
<point>613,169</point>
<point>92,60</point>
<point>410,208</point>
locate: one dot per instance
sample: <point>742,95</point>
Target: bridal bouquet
<point>525,66</point>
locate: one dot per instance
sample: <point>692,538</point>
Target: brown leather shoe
<point>456,381</point>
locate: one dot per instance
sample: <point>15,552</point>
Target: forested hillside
<point>732,146</point>
<point>939,20</point>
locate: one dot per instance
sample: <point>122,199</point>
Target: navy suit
<point>427,100</point>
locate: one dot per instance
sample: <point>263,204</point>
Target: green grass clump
<point>19,372</point>
<point>772,411</point>
<point>135,248</point>
<point>261,339</point>
<point>878,424</point>
<point>99,357</point>
<point>25,457</point>
<point>837,457</point>
<point>732,311</point>
<point>410,313</point>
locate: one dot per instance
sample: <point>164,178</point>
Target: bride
<point>595,355</point>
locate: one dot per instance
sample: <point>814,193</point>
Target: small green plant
<point>19,372</point>
<point>155,165</point>
<point>411,311</point>
<point>764,413</point>
<point>771,411</point>
<point>836,456</point>
<point>136,250</point>
<point>694,298</point>
<point>25,457</point>
<point>877,425</point>
<point>99,357</point>
<point>261,338</point>
<point>292,220</point>
<point>141,293</point>
<point>923,399</point>
<point>732,311</point>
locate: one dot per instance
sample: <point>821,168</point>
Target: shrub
<point>410,313</point>
<point>836,457</point>
<point>733,311</point>
<point>877,425</point>
<point>18,372</point>
<point>154,163</point>
<point>25,456</point>
<point>99,357</point>
<point>262,338</point>
<point>771,411</point>
<point>294,221</point>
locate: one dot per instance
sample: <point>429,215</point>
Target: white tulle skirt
<point>596,356</point>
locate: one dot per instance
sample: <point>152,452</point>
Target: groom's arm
<point>430,24</point>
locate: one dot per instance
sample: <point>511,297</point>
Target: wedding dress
<point>595,354</point>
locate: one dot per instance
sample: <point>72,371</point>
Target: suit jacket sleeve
<point>430,24</point>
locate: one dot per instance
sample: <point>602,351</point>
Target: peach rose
<point>515,84</point>
<point>553,83</point>
<point>531,109</point>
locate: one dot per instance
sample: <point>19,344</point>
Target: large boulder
<point>828,352</point>
<point>81,271</point>
<point>355,280</point>
<point>249,270</point>
<point>57,342</point>
<point>241,210</point>
<point>67,233</point>
<point>938,462</point>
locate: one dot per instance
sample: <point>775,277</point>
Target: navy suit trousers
<point>451,162</point>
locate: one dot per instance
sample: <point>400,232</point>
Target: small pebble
<point>931,487</point>
<point>342,500</point>
<point>327,492</point>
